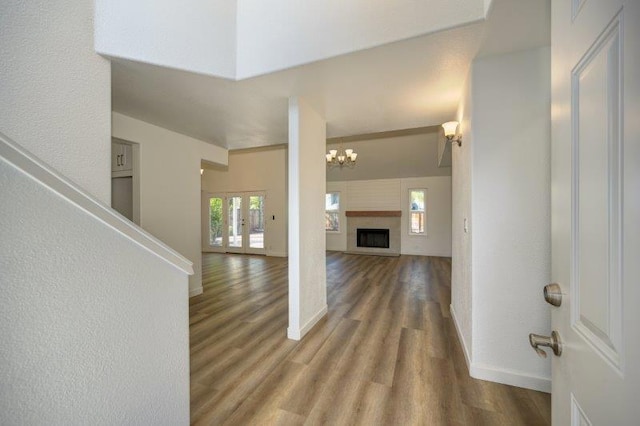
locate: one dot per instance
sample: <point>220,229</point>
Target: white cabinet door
<point>596,210</point>
<point>121,157</point>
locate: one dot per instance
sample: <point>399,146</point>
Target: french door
<point>236,222</point>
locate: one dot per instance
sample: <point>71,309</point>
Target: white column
<point>307,243</point>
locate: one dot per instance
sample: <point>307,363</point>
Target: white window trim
<point>408,207</point>
<point>339,211</point>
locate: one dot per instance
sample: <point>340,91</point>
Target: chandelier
<point>342,158</point>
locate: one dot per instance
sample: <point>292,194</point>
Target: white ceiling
<point>406,84</point>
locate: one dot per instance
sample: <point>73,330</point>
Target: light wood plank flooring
<point>386,354</point>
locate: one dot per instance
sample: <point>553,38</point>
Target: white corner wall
<point>503,167</point>
<point>307,244</point>
<point>262,169</point>
<point>511,215</point>
<point>393,194</point>
<point>170,186</point>
<point>461,235</point>
<point>55,91</point>
<point>159,32</point>
<point>238,39</point>
<point>94,329</point>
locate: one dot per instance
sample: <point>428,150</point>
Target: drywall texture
<point>170,186</point>
<point>307,245</point>
<point>511,210</point>
<point>503,168</point>
<point>237,39</point>
<point>199,38</point>
<point>393,194</point>
<point>302,35</point>
<point>55,90</point>
<point>261,169</point>
<point>461,227</point>
<point>94,329</point>
<point>392,157</point>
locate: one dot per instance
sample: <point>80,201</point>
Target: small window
<point>332,212</point>
<point>417,212</point>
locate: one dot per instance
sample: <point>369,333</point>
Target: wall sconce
<point>450,132</point>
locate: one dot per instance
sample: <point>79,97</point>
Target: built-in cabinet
<point>124,180</point>
<point>121,157</point>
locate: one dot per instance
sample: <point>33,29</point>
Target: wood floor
<point>386,353</point>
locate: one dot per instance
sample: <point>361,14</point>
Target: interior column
<point>307,243</point>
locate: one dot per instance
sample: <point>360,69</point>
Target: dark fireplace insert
<point>376,238</point>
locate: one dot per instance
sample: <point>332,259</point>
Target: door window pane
<point>216,222</point>
<point>235,222</point>
<point>256,221</point>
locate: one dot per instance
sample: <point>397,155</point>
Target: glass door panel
<point>216,222</point>
<point>256,221</point>
<point>236,222</point>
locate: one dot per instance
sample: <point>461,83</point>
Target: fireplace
<point>374,238</point>
<point>374,232</point>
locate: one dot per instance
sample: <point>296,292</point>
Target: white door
<point>246,223</point>
<point>596,210</point>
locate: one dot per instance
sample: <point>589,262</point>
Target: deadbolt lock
<point>553,294</point>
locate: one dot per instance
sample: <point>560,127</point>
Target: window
<point>332,212</point>
<point>417,212</point>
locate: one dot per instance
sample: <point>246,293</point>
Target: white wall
<point>461,288</point>
<point>508,158</point>
<point>263,169</point>
<point>55,91</point>
<point>307,244</point>
<point>170,186</point>
<point>94,329</point>
<point>238,39</point>
<point>393,194</point>
<point>283,33</point>
<point>199,38</point>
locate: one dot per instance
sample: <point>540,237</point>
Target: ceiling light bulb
<point>201,172</point>
<point>354,156</point>
<point>333,152</point>
<point>329,158</point>
<point>341,159</point>
<point>348,152</point>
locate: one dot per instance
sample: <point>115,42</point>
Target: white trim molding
<point>467,354</point>
<point>509,377</point>
<point>299,334</point>
<point>491,373</point>
<point>195,291</point>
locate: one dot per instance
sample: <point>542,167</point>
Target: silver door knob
<point>553,294</point>
<point>552,342</point>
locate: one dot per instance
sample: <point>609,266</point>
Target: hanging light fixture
<point>341,158</point>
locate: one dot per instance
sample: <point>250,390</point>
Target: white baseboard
<point>299,334</point>
<point>510,377</point>
<point>195,291</point>
<point>467,355</point>
<point>276,254</point>
<point>496,374</point>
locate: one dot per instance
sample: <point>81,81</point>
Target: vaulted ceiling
<point>413,82</point>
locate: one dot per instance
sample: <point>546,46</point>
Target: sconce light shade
<point>450,128</point>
